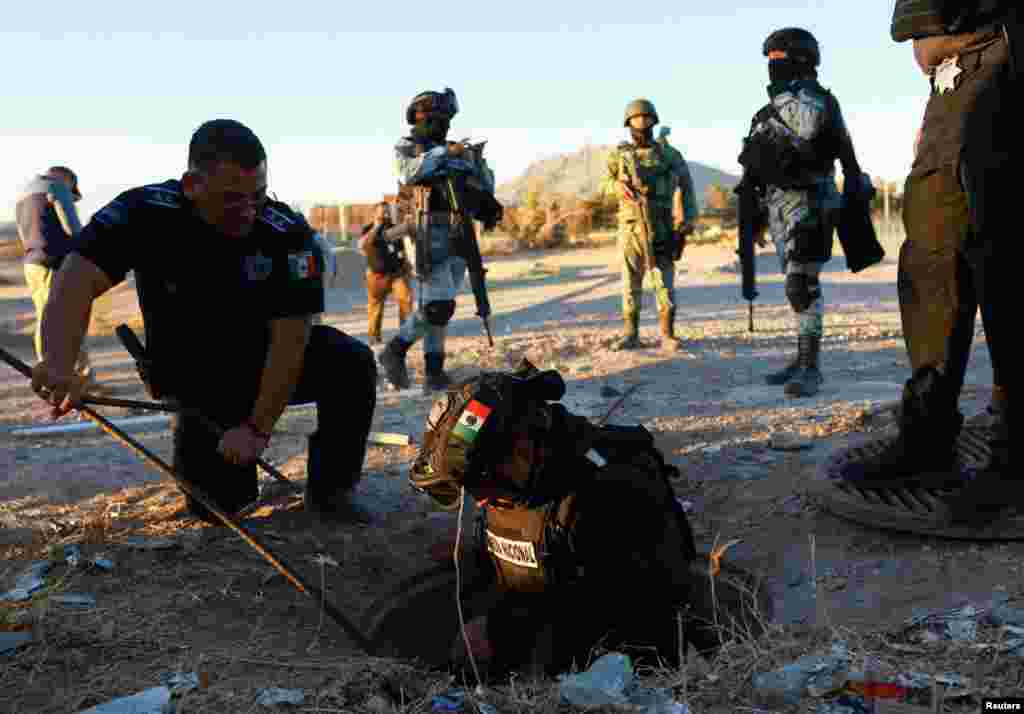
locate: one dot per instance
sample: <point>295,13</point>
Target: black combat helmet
<point>469,429</point>
<point>443,102</point>
<point>797,43</point>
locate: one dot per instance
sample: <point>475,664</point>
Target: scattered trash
<point>140,543</point>
<point>156,700</point>
<point>28,583</point>
<point>959,624</point>
<point>72,555</point>
<point>608,392</point>
<point>604,683</point>
<point>104,564</point>
<point>454,700</point>
<point>814,675</point>
<point>74,600</point>
<point>11,641</point>
<point>845,704</point>
<point>1003,614</point>
<point>786,441</point>
<point>275,695</point>
<point>611,681</point>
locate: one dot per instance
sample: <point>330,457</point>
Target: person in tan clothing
<point>388,272</point>
<point>47,225</point>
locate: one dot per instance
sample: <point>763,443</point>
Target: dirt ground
<point>185,597</point>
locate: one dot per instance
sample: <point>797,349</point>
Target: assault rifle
<point>751,226</point>
<point>640,191</point>
<point>467,247</point>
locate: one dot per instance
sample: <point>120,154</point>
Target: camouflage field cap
<point>469,429</point>
<point>639,106</point>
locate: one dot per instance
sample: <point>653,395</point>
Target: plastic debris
<point>959,624</point>
<point>451,701</point>
<point>75,600</point>
<point>608,392</point>
<point>28,583</point>
<point>275,695</point>
<point>610,681</point>
<point>603,684</point>
<point>73,555</point>
<point>1003,614</point>
<point>785,441</point>
<point>11,641</point>
<point>814,675</point>
<point>845,704</point>
<point>104,564</point>
<point>155,700</point>
<point>140,543</point>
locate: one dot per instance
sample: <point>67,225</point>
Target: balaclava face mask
<point>434,127</point>
<point>783,71</point>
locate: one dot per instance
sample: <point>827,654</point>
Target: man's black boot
<point>392,359</point>
<point>925,449</point>
<point>785,374</point>
<point>329,491</point>
<point>436,379</point>
<point>995,488</point>
<point>807,380</point>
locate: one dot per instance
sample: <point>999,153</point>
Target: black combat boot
<point>777,379</point>
<point>807,380</point>
<point>925,449</point>
<point>435,379</point>
<point>329,491</point>
<point>669,341</point>
<point>995,488</point>
<point>631,336</point>
<point>392,359</point>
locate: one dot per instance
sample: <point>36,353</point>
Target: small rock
<point>378,704</point>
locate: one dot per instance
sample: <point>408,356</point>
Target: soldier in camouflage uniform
<point>802,122</point>
<point>430,166</point>
<point>644,174</point>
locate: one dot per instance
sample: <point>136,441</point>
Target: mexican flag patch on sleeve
<point>472,421</point>
<point>303,265</point>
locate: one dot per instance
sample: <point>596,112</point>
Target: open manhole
<point>919,509</point>
<point>418,620</point>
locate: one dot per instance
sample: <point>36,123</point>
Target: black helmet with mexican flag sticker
<point>469,429</point>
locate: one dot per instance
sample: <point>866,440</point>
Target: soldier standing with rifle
<point>644,175</point>
<point>443,186</point>
<point>957,202</point>
<point>789,173</point>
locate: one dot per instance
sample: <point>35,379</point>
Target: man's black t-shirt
<point>207,298</point>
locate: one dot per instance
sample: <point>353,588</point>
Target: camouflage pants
<point>39,279</point>
<point>443,283</point>
<point>634,268</point>
<point>811,321</point>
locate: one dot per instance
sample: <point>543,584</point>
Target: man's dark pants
<point>340,375</point>
<point>956,257</point>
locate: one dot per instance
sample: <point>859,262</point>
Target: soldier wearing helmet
<point>570,513</point>
<point>433,173</point>
<point>959,195</point>
<point>644,175</point>
<point>790,155</point>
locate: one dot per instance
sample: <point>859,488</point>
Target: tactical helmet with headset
<point>445,103</point>
<point>469,431</point>
<point>798,44</point>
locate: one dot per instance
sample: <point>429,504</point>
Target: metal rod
<point>195,492</point>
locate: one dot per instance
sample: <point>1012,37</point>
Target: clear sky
<point>114,89</point>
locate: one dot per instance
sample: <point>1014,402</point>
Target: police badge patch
<point>257,267</point>
<point>517,552</point>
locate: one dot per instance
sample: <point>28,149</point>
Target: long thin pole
<point>303,587</point>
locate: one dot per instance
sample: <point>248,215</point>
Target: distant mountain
<point>580,174</point>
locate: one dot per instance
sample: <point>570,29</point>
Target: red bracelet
<point>256,430</point>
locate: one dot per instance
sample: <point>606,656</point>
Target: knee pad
<point>802,291</point>
<point>439,312</point>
